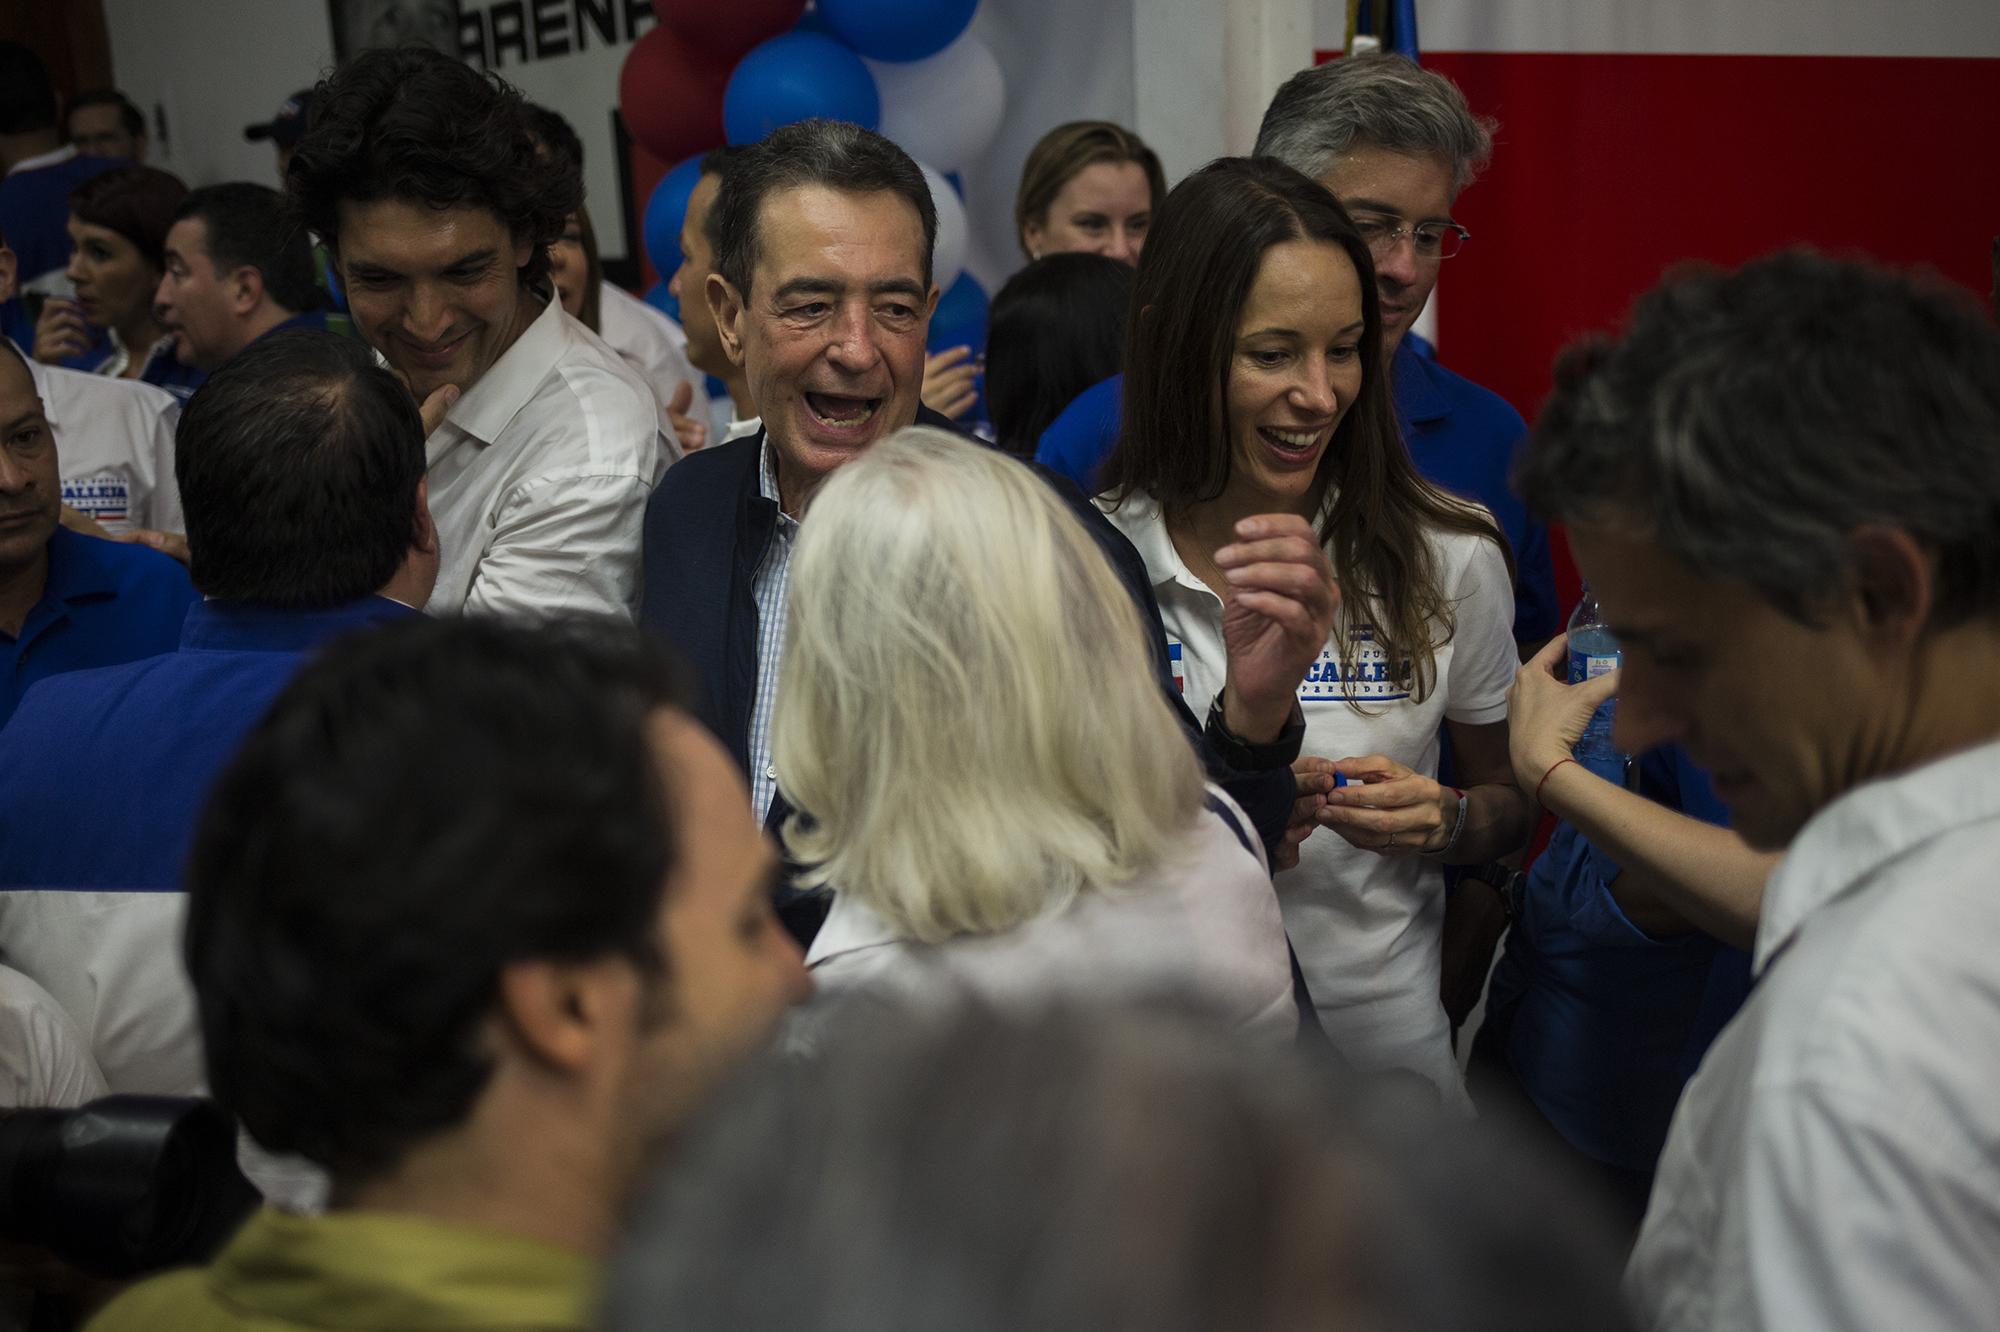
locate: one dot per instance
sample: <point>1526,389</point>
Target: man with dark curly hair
<point>421,176</point>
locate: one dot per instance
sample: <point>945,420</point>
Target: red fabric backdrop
<point>1609,169</point>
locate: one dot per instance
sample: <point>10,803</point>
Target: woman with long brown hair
<point>1253,386</point>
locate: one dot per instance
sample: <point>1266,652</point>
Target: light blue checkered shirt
<point>773,576</point>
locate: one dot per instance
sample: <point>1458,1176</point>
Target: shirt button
<point>772,773</point>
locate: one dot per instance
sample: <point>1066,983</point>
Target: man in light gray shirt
<point>438,214</point>
<point>1782,484</point>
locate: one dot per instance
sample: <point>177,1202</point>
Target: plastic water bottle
<point>1593,650</point>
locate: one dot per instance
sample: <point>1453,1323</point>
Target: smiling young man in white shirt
<point>439,214</point>
<point>1781,483</point>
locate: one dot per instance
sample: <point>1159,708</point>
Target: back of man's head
<point>1381,100</point>
<point>829,153</point>
<point>248,225</point>
<point>298,463</point>
<point>425,805</point>
<point>417,126</point>
<point>1081,1169</point>
<point>1753,421</point>
<point>27,97</point>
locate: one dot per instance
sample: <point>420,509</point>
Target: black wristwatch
<point>1503,879</point>
<point>1244,756</point>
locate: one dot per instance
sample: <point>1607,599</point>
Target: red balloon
<point>670,93</point>
<point>730,28</point>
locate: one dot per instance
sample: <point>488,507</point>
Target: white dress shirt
<point>1202,921</point>
<point>1368,928</point>
<point>1835,1163</point>
<point>768,587</point>
<point>653,345</point>
<point>539,477</point>
<point>115,444</point>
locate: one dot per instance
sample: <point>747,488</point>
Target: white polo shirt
<point>1835,1163</point>
<point>539,478</point>
<point>115,445</point>
<point>653,345</point>
<point>1368,929</point>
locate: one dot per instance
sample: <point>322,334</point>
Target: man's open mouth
<point>840,411</point>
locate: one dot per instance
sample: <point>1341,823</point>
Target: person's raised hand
<point>692,434</point>
<point>167,543</point>
<point>951,381</point>
<point>61,332</point>
<point>1546,714</point>
<point>1277,615</point>
<point>434,408</point>
<point>1388,808</point>
<point>1315,778</point>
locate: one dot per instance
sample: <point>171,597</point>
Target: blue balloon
<point>664,213</point>
<point>960,317</point>
<point>897,29</point>
<point>663,300</point>
<point>796,76</point>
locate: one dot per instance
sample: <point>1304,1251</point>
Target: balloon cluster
<point>714,73</point>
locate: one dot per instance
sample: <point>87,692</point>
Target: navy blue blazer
<point>707,529</point>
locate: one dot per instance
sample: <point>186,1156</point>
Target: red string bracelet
<point>1550,773</point>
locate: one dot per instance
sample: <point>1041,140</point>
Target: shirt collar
<point>47,159</point>
<point>850,925</point>
<point>235,626</point>
<point>487,408</point>
<point>767,484</point>
<point>387,1270</point>
<point>1139,517</point>
<point>1842,847</point>
<point>1414,386</point>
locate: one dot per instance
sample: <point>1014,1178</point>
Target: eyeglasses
<point>1432,240</point>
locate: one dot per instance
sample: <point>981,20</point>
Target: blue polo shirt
<point>1601,1023</point>
<point>1462,437</point>
<point>105,602</point>
<point>103,772</point>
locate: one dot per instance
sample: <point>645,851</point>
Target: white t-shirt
<point>115,445</point>
<point>1835,1163</point>
<point>539,478</point>
<point>653,345</point>
<point>1367,928</point>
<point>1203,921</point>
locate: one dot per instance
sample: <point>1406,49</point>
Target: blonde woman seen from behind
<point>983,768</point>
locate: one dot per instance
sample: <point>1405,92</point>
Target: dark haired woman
<point>1056,328</point>
<point>1252,388</point>
<point>118,224</point>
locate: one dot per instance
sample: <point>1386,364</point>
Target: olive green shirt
<point>364,1270</point>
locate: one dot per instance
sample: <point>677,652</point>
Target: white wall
<point>212,67</point>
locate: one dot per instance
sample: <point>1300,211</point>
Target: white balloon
<point>954,232</point>
<point>946,108</point>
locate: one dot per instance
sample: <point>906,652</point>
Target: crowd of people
<point>633,853</point>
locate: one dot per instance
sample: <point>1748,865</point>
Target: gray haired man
<point>1782,484</point>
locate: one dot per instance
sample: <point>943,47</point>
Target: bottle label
<point>1596,666</point>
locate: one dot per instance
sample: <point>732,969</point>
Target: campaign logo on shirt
<point>1364,678</point>
<point>1174,663</point>
<point>105,496</point>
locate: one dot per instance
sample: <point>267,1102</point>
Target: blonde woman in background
<point>982,766</point>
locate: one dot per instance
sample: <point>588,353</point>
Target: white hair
<point>968,719</point>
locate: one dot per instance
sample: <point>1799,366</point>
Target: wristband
<point>1457,827</point>
<point>1545,777</point>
